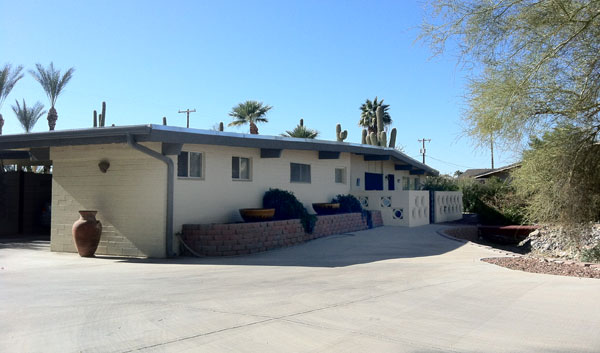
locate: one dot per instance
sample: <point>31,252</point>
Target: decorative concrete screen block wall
<point>448,206</point>
<point>130,198</point>
<point>398,208</point>
<point>247,238</point>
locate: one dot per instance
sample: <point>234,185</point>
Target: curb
<point>442,233</point>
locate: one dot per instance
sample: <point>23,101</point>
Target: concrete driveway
<point>383,290</point>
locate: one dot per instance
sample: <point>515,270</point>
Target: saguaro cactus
<point>221,127</point>
<point>378,138</point>
<point>363,140</point>
<point>341,135</point>
<point>164,120</point>
<point>100,120</point>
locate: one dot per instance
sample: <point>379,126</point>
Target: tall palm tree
<point>28,116</point>
<point>53,84</point>
<point>8,79</point>
<point>301,131</point>
<point>368,117</point>
<point>249,112</point>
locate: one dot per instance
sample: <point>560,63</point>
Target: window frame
<point>239,164</point>
<point>300,174</point>
<point>344,176</point>
<point>202,166</point>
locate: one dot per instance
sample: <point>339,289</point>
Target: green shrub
<point>348,203</point>
<point>591,255</point>
<point>439,183</point>
<point>287,206</point>
<point>495,201</point>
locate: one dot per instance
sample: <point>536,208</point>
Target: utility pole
<point>187,111</point>
<point>492,148</point>
<point>423,150</point>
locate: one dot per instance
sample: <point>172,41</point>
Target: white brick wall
<point>130,198</point>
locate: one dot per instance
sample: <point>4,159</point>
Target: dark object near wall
<point>86,233</point>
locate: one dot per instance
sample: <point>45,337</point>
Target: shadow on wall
<point>342,250</point>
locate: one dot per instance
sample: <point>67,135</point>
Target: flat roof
<point>172,134</point>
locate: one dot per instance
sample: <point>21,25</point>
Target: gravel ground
<point>536,265</point>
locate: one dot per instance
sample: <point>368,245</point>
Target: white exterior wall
<point>216,197</point>
<point>130,198</point>
<point>448,206</point>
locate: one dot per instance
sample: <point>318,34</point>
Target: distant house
<point>482,175</point>
<point>147,181</point>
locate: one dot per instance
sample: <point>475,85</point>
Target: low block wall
<point>247,238</point>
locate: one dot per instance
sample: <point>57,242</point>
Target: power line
<point>450,163</point>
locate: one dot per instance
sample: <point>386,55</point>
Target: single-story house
<point>147,181</point>
<point>481,175</point>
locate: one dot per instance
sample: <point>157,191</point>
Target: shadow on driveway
<point>336,250</point>
<point>29,242</point>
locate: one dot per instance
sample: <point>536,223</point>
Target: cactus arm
<point>103,114</point>
<point>382,139</point>
<point>364,137</point>
<point>393,138</point>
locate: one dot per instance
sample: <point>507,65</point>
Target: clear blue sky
<point>318,60</point>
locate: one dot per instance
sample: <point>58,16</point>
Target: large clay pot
<point>86,233</point>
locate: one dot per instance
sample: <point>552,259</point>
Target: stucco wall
<point>130,198</point>
<point>216,198</point>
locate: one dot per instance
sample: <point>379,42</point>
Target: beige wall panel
<point>130,198</point>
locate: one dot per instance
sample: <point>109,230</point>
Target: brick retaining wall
<point>247,238</point>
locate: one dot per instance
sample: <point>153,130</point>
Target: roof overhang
<point>178,136</point>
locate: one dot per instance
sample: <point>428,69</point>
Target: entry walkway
<point>382,290</point>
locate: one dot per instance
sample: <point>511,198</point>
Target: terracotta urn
<point>86,233</point>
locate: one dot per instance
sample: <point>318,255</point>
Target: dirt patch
<point>537,265</point>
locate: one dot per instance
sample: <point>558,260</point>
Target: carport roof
<point>177,135</point>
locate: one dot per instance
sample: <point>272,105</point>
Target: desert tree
<point>53,84</point>
<point>8,78</point>
<point>28,116</point>
<point>534,72</point>
<point>249,112</point>
<point>301,131</point>
<point>368,116</point>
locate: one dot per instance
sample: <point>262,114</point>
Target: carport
<point>25,193</point>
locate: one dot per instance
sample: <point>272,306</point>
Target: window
<point>240,168</point>
<point>405,183</point>
<point>189,165</point>
<point>417,184</point>
<point>299,173</point>
<point>340,175</point>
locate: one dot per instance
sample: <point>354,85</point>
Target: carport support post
<point>170,181</point>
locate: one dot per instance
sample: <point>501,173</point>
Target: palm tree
<point>249,112</point>
<point>8,79</point>
<point>28,116</point>
<point>53,85</point>
<point>368,117</point>
<point>301,131</point>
